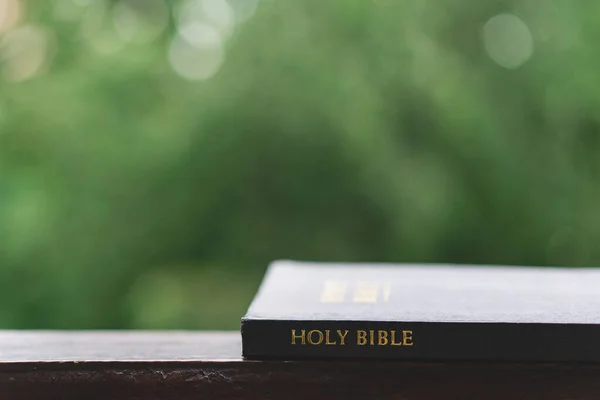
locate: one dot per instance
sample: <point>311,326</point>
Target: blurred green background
<point>156,156</point>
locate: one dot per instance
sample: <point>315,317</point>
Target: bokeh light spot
<point>200,35</point>
<point>140,21</point>
<point>508,40</point>
<point>216,13</point>
<point>197,56</point>
<point>10,13</point>
<point>98,30</point>
<point>26,51</point>
<point>243,9</point>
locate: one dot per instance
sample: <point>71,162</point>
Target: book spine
<point>288,339</point>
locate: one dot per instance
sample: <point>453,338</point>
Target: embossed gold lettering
<point>334,292</point>
<point>301,336</point>
<point>366,292</point>
<point>342,336</point>
<point>387,291</point>
<point>310,337</point>
<point>393,339</point>
<point>407,339</point>
<point>382,338</point>
<point>327,338</point>
<point>361,337</point>
<point>370,337</point>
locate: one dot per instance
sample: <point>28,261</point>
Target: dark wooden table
<point>182,366</point>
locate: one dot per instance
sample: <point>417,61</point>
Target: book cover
<point>424,312</point>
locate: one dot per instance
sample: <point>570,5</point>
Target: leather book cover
<point>424,312</point>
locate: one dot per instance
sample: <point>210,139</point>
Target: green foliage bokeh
<point>347,130</point>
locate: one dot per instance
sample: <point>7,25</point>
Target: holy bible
<point>424,312</point>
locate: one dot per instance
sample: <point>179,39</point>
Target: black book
<point>424,312</point>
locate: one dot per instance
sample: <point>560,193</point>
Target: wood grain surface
<point>186,366</point>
